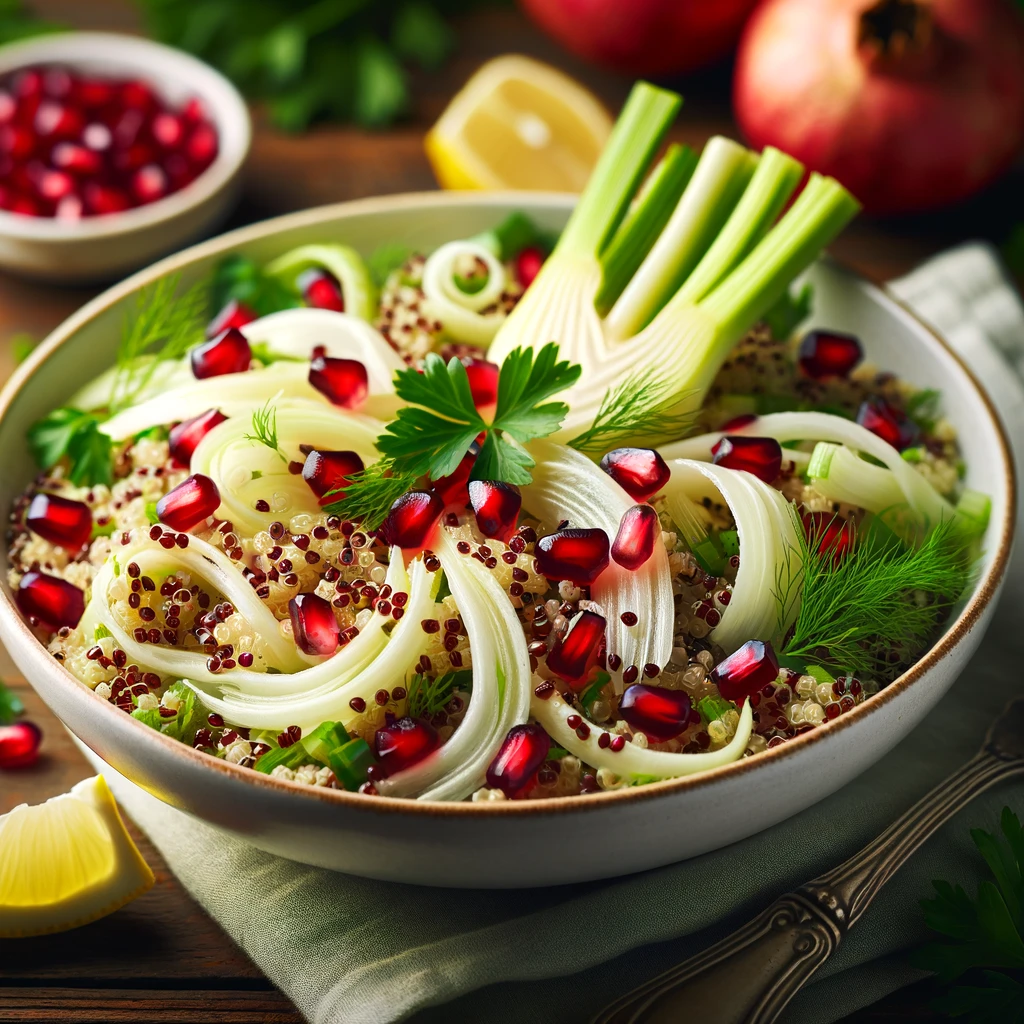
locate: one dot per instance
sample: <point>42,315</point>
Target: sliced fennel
<point>501,686</point>
<point>633,761</point>
<point>839,474</point>
<point>343,262</point>
<point>770,549</point>
<point>246,471</point>
<point>567,485</point>
<point>462,314</point>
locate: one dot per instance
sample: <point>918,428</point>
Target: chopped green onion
<point>730,542</point>
<point>290,757</point>
<point>100,632</point>
<point>712,708</point>
<point>323,739</point>
<point>350,762</point>
<point>819,673</point>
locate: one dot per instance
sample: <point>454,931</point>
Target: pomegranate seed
<point>168,130</point>
<point>343,381</point>
<point>327,471</point>
<point>61,521</point>
<point>760,456</point>
<point>104,199</point>
<point>579,555</point>
<point>746,670</point>
<point>57,121</point>
<point>321,290</point>
<point>68,156</point>
<point>402,743</point>
<point>201,147</point>
<point>828,532</point>
<point>53,186</point>
<point>138,95</point>
<point>97,137</point>
<point>496,506</point>
<point>639,529</point>
<point>483,381</point>
<point>149,183</point>
<point>196,498</point>
<point>235,314</point>
<point>131,158</point>
<point>660,713</point>
<point>528,264</point>
<point>825,354</point>
<point>228,352</point>
<point>194,111</point>
<point>743,420</point>
<point>524,750</point>
<point>575,654</point>
<point>412,519</point>
<point>51,600</point>
<point>184,438</point>
<point>314,627</point>
<point>17,141</point>
<point>888,423</point>
<point>640,472</point>
<point>70,208</point>
<point>454,488</point>
<point>19,745</point>
<point>93,92</point>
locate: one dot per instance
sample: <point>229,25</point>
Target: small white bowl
<point>104,247</point>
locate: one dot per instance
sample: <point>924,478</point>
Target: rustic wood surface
<point>161,958</point>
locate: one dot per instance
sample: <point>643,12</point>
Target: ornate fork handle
<point>749,976</point>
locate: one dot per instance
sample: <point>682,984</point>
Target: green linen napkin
<point>353,951</point>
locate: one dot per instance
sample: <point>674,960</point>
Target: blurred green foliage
<point>17,22</point>
<point>341,60</point>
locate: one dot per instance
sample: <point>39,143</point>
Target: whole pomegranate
<point>911,104</point>
<point>643,37</point>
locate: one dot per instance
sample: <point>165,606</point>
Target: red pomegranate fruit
<point>746,670</point>
<point>760,456</point>
<point>327,472</point>
<point>234,314</point>
<point>888,423</point>
<point>412,519</point>
<point>19,745</point>
<point>825,354</point>
<point>321,290</point>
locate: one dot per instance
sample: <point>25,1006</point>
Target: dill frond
<point>643,405</point>
<point>875,610</point>
<point>428,696</point>
<point>162,326</point>
<point>264,429</point>
<point>369,495</point>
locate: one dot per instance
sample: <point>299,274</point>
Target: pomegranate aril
<point>656,711</point>
<point>131,158</point>
<point>888,423</point>
<point>412,519</point>
<point>60,520</point>
<point>51,600</point>
<point>640,472</point>
<point>760,456</point>
<point>194,500</point>
<point>737,422</point>
<point>19,745</point>
<point>321,290</point>
<point>578,555</point>
<point>496,507</point>
<point>104,199</point>
<point>314,627</point>
<point>69,156</point>
<point>343,382</point>
<point>234,314</point>
<point>97,137</point>
<point>228,352</point>
<point>454,488</point>
<point>55,120</point>
<point>483,381</point>
<point>825,354</point>
<point>93,92</point>
<point>326,471</point>
<point>168,130</point>
<point>827,532</point>
<point>17,141</point>
<point>528,264</point>
<point>70,208</point>
<point>746,670</point>
<point>523,751</point>
<point>201,146</point>
<point>184,438</point>
<point>149,183</point>
<point>639,530</point>
<point>52,186</point>
<point>404,742</point>
<point>575,654</point>
<point>137,95</point>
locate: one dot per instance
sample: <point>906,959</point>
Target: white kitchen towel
<point>352,951</point>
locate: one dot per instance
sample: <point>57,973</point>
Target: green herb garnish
<point>76,436</point>
<point>789,312</point>
<point>386,259</point>
<point>242,279</point>
<point>100,633</point>
<point>183,724</point>
<point>428,695</point>
<point>984,937</point>
<point>922,408</point>
<point>264,429</point>
<point>10,705</point>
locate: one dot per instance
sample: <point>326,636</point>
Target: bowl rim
<point>226,107</point>
<point>14,629</point>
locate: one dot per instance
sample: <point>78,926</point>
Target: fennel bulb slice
<point>633,761</point>
<point>567,485</point>
<point>501,685</point>
<point>839,474</point>
<point>343,262</point>
<point>246,471</point>
<point>462,314</point>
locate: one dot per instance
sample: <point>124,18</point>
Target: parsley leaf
<point>242,279</point>
<point>75,435</point>
<point>526,379</point>
<point>10,706</point>
<point>982,934</point>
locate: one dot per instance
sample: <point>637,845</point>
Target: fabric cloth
<point>356,951</point>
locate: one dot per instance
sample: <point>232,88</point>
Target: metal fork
<point>750,976</point>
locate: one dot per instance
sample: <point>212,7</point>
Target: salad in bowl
<point>523,516</point>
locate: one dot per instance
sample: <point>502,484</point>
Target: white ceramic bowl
<point>102,248</point>
<point>514,843</point>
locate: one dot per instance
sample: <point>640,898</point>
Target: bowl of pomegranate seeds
<point>113,150</point>
<point>355,532</point>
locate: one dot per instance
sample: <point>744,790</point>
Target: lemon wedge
<point>520,124</point>
<point>66,862</point>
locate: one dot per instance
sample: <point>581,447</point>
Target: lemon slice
<point>518,123</point>
<point>66,862</point>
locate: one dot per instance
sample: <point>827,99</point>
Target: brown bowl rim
<point>985,589</point>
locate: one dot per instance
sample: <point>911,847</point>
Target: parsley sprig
<point>983,938</point>
<point>75,435</point>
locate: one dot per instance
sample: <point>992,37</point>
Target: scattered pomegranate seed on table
<point>19,745</point>
<point>74,145</point>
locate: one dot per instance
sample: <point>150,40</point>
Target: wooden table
<point>161,958</point>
